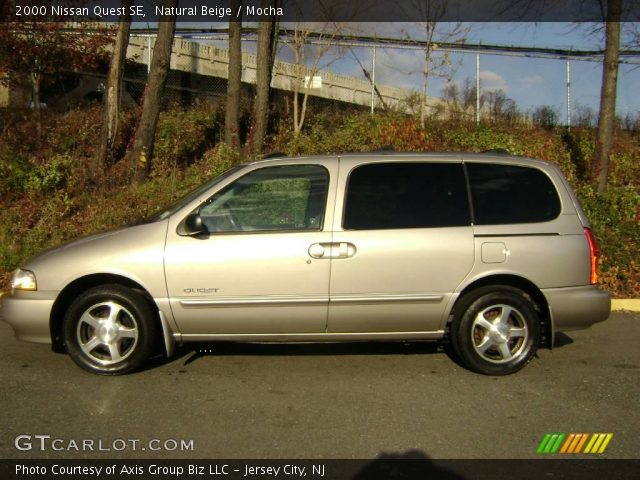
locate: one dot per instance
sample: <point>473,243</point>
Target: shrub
<point>43,201</point>
<point>183,135</point>
<point>615,220</point>
<point>50,175</point>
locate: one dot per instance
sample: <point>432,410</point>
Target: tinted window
<point>274,198</point>
<point>510,194</point>
<point>406,195</point>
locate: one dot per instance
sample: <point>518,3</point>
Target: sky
<point>531,82</point>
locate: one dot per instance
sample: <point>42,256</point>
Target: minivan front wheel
<point>495,330</point>
<point>109,330</point>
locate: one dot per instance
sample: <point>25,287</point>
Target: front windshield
<point>167,211</point>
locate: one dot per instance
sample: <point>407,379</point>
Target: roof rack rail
<point>497,151</point>
<point>274,155</point>
<point>384,149</point>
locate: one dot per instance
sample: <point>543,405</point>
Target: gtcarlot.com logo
<point>574,443</point>
<point>47,442</point>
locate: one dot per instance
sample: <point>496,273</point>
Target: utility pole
<point>568,93</point>
<point>477,88</point>
<point>373,80</point>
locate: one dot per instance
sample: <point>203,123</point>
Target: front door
<point>253,273</point>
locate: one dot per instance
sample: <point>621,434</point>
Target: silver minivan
<point>488,252</point>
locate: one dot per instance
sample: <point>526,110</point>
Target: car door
<point>403,242</point>
<point>252,272</point>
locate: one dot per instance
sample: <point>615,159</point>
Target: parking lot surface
<point>321,401</point>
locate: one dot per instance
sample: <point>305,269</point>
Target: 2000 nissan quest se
<point>489,251</point>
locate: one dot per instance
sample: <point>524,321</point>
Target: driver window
<point>290,197</point>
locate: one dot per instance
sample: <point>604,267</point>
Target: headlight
<point>23,280</point>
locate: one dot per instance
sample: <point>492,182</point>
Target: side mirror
<point>193,225</point>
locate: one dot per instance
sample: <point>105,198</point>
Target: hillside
<point>46,197</point>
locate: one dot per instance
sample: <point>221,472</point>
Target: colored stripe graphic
<point>551,443</point>
<point>567,443</point>
<point>573,443</point>
<point>598,443</point>
<point>543,443</point>
<point>581,442</point>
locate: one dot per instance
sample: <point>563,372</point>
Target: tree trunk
<point>429,29</point>
<point>296,90</point>
<point>423,94</point>
<point>112,95</point>
<point>607,115</point>
<point>142,150</point>
<point>35,94</point>
<point>267,39</point>
<point>234,83</point>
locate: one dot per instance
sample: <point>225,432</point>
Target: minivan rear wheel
<point>495,330</point>
<point>109,330</point>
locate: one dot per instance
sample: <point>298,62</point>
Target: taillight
<point>594,253</point>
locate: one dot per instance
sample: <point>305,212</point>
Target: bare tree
<point>142,150</point>
<point>308,57</point>
<point>500,107</point>
<point>234,83</point>
<point>584,116</point>
<point>546,117</point>
<point>461,101</point>
<point>267,40</point>
<point>113,93</point>
<point>430,14</point>
<point>606,118</point>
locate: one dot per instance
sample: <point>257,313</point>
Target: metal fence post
<point>373,80</point>
<point>568,94</point>
<point>148,54</point>
<point>477,88</point>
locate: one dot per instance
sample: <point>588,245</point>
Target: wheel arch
<point>521,283</point>
<point>79,285</point>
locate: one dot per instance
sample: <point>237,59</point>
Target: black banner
<point>206,11</point>
<point>408,467</point>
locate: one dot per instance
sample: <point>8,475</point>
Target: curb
<point>628,304</point>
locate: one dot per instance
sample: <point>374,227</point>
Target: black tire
<point>495,330</point>
<point>109,330</point>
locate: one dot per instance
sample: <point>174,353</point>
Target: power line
<point>627,56</point>
<point>319,38</point>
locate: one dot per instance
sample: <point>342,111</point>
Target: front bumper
<point>576,308</point>
<point>28,313</point>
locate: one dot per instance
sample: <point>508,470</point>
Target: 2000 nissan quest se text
<point>489,251</point>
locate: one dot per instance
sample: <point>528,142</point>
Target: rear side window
<point>406,195</point>
<point>511,194</point>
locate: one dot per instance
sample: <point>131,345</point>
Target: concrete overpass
<point>211,60</point>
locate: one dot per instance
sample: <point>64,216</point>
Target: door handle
<point>332,250</point>
<point>317,250</point>
<point>345,250</point>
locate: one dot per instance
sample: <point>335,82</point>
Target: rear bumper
<point>575,308</point>
<point>29,317</point>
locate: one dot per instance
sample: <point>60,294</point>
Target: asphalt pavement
<point>321,401</point>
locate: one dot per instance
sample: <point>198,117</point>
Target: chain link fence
<point>509,87</point>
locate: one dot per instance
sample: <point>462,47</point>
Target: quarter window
<point>406,195</point>
<point>270,199</point>
<point>504,194</point>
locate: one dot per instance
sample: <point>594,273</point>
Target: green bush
<point>615,222</point>
<point>50,175</point>
<point>44,201</point>
<point>14,170</point>
<point>183,135</point>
